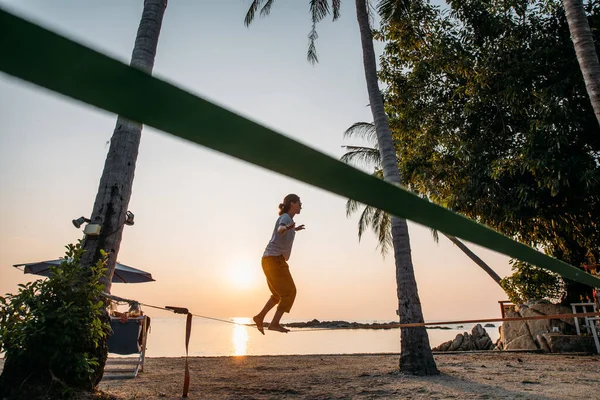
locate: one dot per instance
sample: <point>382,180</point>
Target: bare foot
<point>259,324</point>
<point>278,328</point>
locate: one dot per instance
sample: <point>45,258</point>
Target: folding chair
<point>127,337</point>
<point>584,307</point>
<point>593,325</point>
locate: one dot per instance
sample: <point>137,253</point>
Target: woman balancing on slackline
<point>275,267</point>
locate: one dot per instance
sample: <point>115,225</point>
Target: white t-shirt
<point>281,245</point>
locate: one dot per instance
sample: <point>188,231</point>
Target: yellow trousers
<point>280,281</point>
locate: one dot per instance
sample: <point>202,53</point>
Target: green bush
<point>53,331</point>
<point>532,284</point>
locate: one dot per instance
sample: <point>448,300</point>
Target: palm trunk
<point>416,357</point>
<point>116,183</point>
<point>475,258</point>
<point>583,42</point>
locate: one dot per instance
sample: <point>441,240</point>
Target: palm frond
<point>388,222</point>
<point>373,219</point>
<point>364,222</point>
<point>252,11</point>
<point>319,9</point>
<point>363,130</point>
<point>435,234</point>
<point>311,55</point>
<point>352,206</point>
<point>371,13</point>
<point>385,237</point>
<point>266,8</point>
<point>359,155</point>
<point>381,226</point>
<point>392,9</point>
<point>336,5</point>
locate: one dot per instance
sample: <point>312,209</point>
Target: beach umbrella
<point>123,273</point>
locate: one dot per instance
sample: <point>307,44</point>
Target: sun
<point>244,274</point>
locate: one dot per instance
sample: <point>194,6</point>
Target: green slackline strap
<point>44,58</point>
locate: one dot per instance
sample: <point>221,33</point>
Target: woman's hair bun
<point>281,206</point>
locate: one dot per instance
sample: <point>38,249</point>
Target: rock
<point>468,343</point>
<point>315,323</point>
<point>456,343</point>
<point>523,342</point>
<point>538,334</point>
<point>488,325</point>
<point>478,331</point>
<point>310,324</point>
<point>535,326</point>
<point>559,343</point>
<point>550,309</point>
<point>540,326</point>
<point>484,343</point>
<point>511,330</point>
<point>477,340</point>
<point>498,345</point>
<point>543,343</point>
<point>443,347</point>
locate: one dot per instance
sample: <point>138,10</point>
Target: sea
<point>216,338</point>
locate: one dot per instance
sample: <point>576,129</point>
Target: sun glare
<point>239,337</point>
<point>244,275</point>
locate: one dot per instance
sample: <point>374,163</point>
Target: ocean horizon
<point>211,338</point>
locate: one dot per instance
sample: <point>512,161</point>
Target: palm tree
<point>585,50</point>
<point>379,221</point>
<point>114,191</point>
<point>416,357</point>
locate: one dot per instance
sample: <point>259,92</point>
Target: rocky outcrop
<point>559,343</point>
<point>525,335</point>
<point>477,340</point>
<point>315,323</point>
<point>523,342</point>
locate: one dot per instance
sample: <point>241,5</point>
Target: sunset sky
<point>202,219</point>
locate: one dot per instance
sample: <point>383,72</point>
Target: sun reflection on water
<point>239,337</point>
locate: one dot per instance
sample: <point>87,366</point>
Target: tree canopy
<point>491,118</point>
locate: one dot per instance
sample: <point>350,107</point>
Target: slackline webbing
<point>182,310</point>
<point>176,310</point>
<point>467,321</point>
<point>47,59</point>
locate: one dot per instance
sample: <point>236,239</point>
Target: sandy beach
<point>483,375</point>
